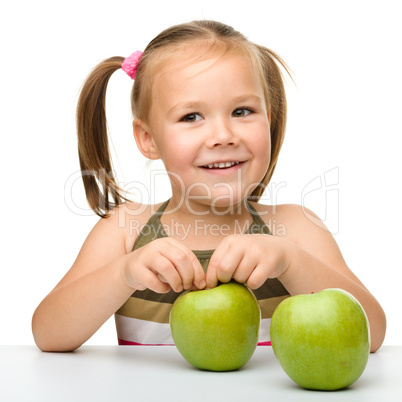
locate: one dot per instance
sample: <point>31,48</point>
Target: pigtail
<point>272,64</point>
<point>93,146</point>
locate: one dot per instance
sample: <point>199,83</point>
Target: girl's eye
<point>242,112</point>
<point>191,118</point>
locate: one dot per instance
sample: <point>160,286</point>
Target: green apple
<point>216,329</point>
<point>321,340</point>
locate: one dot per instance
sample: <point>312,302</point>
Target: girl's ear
<point>144,140</point>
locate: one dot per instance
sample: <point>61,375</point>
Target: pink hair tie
<point>130,64</point>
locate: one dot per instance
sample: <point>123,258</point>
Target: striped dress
<point>144,317</point>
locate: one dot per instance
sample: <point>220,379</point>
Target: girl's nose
<point>221,135</point>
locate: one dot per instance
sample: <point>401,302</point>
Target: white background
<point>344,126</point>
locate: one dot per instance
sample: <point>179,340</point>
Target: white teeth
<point>221,164</point>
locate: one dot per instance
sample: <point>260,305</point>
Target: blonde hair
<point>208,36</point>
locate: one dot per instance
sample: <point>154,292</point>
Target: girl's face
<point>210,125</point>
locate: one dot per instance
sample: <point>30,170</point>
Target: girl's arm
<point>316,263</point>
<point>89,293</point>
<point>103,277</point>
<point>305,259</point>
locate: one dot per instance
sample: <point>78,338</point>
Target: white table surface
<point>159,373</point>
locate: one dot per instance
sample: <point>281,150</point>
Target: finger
<point>245,267</point>
<point>161,278</point>
<point>212,271</point>
<point>199,275</point>
<point>180,265</point>
<point>149,280</point>
<point>225,261</point>
<point>163,267</point>
<point>257,277</point>
<point>188,266</point>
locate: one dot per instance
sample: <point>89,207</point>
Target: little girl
<point>211,105</point>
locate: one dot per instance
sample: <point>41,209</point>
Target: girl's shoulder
<point>292,221</point>
<point>303,227</point>
<point>130,218</point>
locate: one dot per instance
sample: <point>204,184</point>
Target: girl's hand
<point>161,265</point>
<point>249,259</point>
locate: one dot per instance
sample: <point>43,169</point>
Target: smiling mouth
<point>221,165</point>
